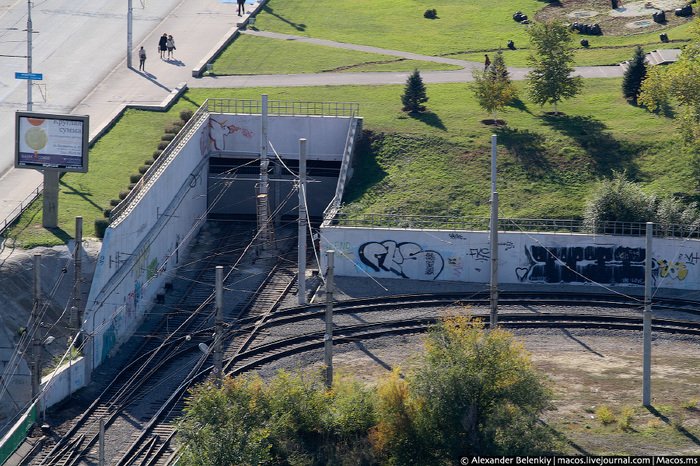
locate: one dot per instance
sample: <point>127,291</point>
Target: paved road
<point>80,48</point>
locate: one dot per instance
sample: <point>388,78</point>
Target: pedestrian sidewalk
<point>199,27</point>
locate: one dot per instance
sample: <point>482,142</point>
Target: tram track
<point>250,324</point>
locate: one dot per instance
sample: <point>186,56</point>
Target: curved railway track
<point>243,356</point>
<point>249,345</point>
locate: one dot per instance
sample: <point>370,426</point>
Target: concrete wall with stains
<point>522,257</point>
<point>325,136</point>
<point>141,248</point>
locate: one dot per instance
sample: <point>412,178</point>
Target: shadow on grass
<point>680,429</point>
<point>365,163</point>
<point>430,119</point>
<point>664,110</point>
<point>71,191</point>
<point>606,152</point>
<point>564,439</point>
<point>528,146</point>
<point>519,105</point>
<point>298,27</point>
<point>61,234</point>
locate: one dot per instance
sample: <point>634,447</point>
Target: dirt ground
<point>589,370</point>
<point>628,19</point>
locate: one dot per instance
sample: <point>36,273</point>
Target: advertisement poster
<point>54,142</point>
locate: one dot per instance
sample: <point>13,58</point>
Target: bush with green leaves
<point>621,200</point>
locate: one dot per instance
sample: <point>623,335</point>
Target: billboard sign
<point>51,142</point>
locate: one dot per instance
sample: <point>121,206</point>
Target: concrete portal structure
<point>211,168</point>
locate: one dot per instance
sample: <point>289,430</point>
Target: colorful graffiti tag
<point>407,260</point>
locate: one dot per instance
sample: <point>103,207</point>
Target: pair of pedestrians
<point>166,44</point>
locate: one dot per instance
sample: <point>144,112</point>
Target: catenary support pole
<point>35,329</point>
<point>494,237</point>
<point>328,337</point>
<point>646,370</point>
<point>494,260</point>
<point>301,258</point>
<point>101,459</point>
<point>219,326</point>
<point>75,317</point>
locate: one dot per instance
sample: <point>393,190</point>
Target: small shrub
<point>626,418</point>
<point>131,186</point>
<point>101,225</point>
<point>186,114</point>
<point>107,212</point>
<point>114,202</point>
<point>430,14</point>
<point>135,177</point>
<point>171,129</point>
<point>157,153</point>
<point>167,137</point>
<point>123,193</point>
<point>690,405</point>
<point>163,144</point>
<point>21,331</point>
<point>148,162</point>
<point>178,124</point>
<point>143,169</point>
<point>605,415</point>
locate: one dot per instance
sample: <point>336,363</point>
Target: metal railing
<point>17,211</point>
<point>282,108</point>
<point>334,205</point>
<point>509,224</point>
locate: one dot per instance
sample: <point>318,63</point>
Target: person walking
<point>142,59</point>
<point>162,45</point>
<point>170,44</point>
<point>241,7</point>
<point>487,62</point>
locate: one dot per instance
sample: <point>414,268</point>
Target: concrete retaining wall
<point>522,257</point>
<point>140,248</point>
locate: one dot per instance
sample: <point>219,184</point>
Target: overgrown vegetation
<point>474,392</point>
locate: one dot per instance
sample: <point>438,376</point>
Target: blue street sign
<point>34,76</point>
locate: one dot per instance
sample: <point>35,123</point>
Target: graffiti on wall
<point>215,132</point>
<point>406,260</point>
<point>602,264</point>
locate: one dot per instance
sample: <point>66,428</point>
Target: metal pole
<point>75,318</point>
<point>328,337</point>
<point>35,328</point>
<point>493,163</point>
<point>129,33</point>
<point>646,370</point>
<point>494,260</point>
<point>101,458</point>
<point>264,181</point>
<point>301,258</point>
<point>219,326</point>
<point>29,54</point>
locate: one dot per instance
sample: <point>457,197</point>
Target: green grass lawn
<point>250,55</point>
<point>436,163</point>
<point>464,30</point>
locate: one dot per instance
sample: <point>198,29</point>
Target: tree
<point>414,94</point>
<point>550,79</point>
<point>634,75</point>
<point>678,81</point>
<point>492,88</point>
<point>474,392</point>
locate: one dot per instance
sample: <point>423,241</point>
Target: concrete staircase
<point>657,57</point>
